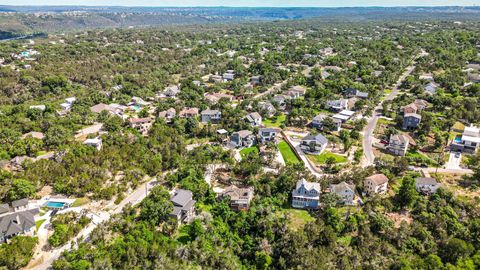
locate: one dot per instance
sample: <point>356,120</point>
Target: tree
<point>20,189</point>
<point>455,249</point>
<point>407,194</point>
<point>157,206</point>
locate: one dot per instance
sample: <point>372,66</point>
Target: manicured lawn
<point>298,218</point>
<point>245,152</point>
<point>322,158</point>
<point>80,202</point>
<point>274,121</point>
<point>287,153</point>
<point>39,223</point>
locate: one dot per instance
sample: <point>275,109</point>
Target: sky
<point>247,3</point>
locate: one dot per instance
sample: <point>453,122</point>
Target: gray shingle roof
<point>21,202</point>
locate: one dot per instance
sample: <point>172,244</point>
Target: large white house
<point>375,184</point>
<point>345,192</point>
<point>306,195</point>
<point>313,144</point>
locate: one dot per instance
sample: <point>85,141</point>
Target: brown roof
<point>140,120</point>
<point>193,111</point>
<point>378,179</point>
<point>101,107</point>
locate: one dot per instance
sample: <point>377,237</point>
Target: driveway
<point>453,162</point>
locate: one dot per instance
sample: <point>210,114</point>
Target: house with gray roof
<point>267,134</point>
<point>427,185</point>
<point>183,206</point>
<point>242,138</point>
<point>313,144</point>
<point>213,116</point>
<point>16,219</point>
<point>318,122</point>
<point>345,192</point>
<point>254,119</point>
<point>411,121</point>
<point>398,144</point>
<point>306,195</point>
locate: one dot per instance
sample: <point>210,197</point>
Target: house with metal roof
<point>183,206</point>
<point>313,144</point>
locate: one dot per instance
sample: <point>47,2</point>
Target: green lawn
<point>321,159</point>
<point>245,152</point>
<point>274,121</point>
<point>298,218</point>
<point>80,202</point>
<point>419,158</point>
<point>287,153</point>
<point>39,223</point>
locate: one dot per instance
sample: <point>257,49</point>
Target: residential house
<point>281,101</point>
<point>398,144</point>
<point>240,198</point>
<point>38,107</point>
<point>95,142</point>
<point>268,108</point>
<point>16,220</point>
<point>306,195</point>
<point>213,116</point>
<point>188,113</point>
<point>229,75</point>
<point>410,108</point>
<point>168,115</point>
<point>352,92</point>
<point>215,97</point>
<point>344,115</point>
<point>171,91</point>
<point>431,88</point>
<point>143,125</point>
<point>427,185</point>
<point>313,144</point>
<point>421,104</point>
<point>254,119</point>
<point>267,135</point>
<point>242,138</point>
<point>411,121</point>
<point>255,80</point>
<point>375,184</point>
<point>102,107</point>
<point>345,193</point>
<point>296,91</point>
<point>470,140</point>
<point>338,105</point>
<point>216,78</point>
<point>183,206</point>
<point>67,105</point>
<point>318,122</point>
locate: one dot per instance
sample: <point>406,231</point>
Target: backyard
<point>287,153</point>
<point>245,152</point>
<point>297,218</point>
<point>322,158</point>
<point>274,121</point>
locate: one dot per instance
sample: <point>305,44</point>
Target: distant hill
<point>27,19</point>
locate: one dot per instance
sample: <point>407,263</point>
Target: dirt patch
<point>398,218</point>
<point>46,191</point>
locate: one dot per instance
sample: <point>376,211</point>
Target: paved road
<point>377,112</point>
<point>453,161</point>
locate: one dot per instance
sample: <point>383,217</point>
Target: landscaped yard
<point>322,158</point>
<point>39,223</point>
<point>419,159</point>
<point>298,218</point>
<point>287,153</point>
<point>245,152</point>
<point>80,202</point>
<point>274,121</point>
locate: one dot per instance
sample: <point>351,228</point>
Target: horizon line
<point>227,6</point>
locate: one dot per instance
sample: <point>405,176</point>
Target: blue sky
<point>249,3</point>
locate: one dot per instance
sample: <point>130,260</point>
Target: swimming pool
<point>458,139</point>
<point>55,205</point>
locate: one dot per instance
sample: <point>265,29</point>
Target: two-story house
<point>242,138</point>
<point>168,115</point>
<point>183,206</point>
<point>240,198</point>
<point>319,120</point>
<point>143,125</point>
<point>345,192</point>
<point>398,144</point>
<point>267,135</point>
<point>188,113</point>
<point>16,219</point>
<point>95,142</point>
<point>254,119</point>
<point>338,105</point>
<point>213,116</point>
<point>411,121</point>
<point>427,185</point>
<point>375,184</point>
<point>306,195</point>
<point>313,144</point>
<point>268,108</point>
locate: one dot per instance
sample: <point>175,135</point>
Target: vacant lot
<point>322,158</point>
<point>287,153</point>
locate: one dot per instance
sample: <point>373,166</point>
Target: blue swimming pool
<point>458,139</point>
<point>56,205</point>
